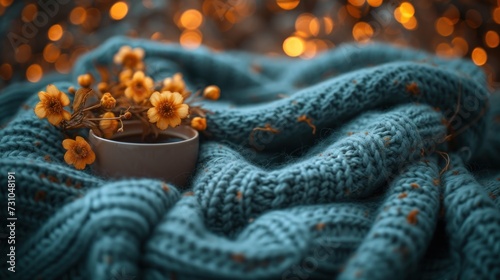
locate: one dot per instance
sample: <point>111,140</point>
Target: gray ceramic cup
<point>171,162</point>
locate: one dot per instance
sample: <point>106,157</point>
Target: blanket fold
<point>394,175</point>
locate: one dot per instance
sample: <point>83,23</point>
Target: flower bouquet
<point>132,97</point>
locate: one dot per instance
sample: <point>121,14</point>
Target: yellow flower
<point>51,105</point>
<point>126,75</point>
<point>176,84</point>
<point>130,58</point>
<point>108,127</point>
<point>139,88</point>
<point>211,92</point>
<point>199,123</point>
<point>78,152</point>
<point>167,109</point>
<point>108,102</point>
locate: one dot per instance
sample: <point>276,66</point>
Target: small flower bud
<point>72,90</point>
<point>85,80</point>
<point>199,123</point>
<point>102,87</point>
<point>211,92</point>
<point>127,115</point>
<point>126,75</point>
<point>108,102</point>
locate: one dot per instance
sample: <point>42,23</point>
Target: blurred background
<point>47,36</point>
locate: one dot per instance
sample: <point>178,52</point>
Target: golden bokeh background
<point>42,39</point>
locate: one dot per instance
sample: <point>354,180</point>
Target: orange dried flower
<point>168,109</point>
<point>107,126</point>
<point>78,152</point>
<point>412,217</point>
<point>108,102</point>
<point>176,84</point>
<point>102,86</point>
<point>129,58</point>
<point>51,105</point>
<point>413,89</point>
<point>199,123</point>
<point>140,87</point>
<point>85,80</point>
<point>211,92</point>
<point>126,75</point>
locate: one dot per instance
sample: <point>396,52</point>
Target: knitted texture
<point>396,175</point>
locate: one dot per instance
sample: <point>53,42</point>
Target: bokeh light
<point>78,15</point>
<point>357,3</point>
<point>55,32</point>
<point>191,39</point>
<point>51,52</point>
<point>479,56</point>
<point>29,13</point>
<point>34,73</point>
<point>293,46</point>
<point>473,18</point>
<point>407,10</point>
<point>362,31</point>
<point>444,26</point>
<point>5,71</point>
<point>118,11</point>
<point>191,19</point>
<point>411,24</point>
<point>6,3</point>
<point>496,14</point>
<point>288,4</point>
<point>460,46</point>
<point>375,3</point>
<point>301,29</point>
<point>491,38</point>
<point>23,53</point>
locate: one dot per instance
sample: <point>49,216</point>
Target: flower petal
<point>124,49</point>
<point>66,115</point>
<point>128,92</point>
<point>155,98</point>
<point>139,52</point>
<point>68,143</point>
<point>42,95</point>
<point>138,75</point>
<point>167,82</point>
<point>79,164</point>
<point>153,115</point>
<point>182,111</point>
<point>64,99</point>
<point>117,59</point>
<point>175,121</point>
<point>52,89</point>
<point>55,119</point>
<point>166,96</point>
<point>40,110</point>
<point>177,98</point>
<point>69,158</point>
<point>139,98</point>
<point>148,82</point>
<point>162,123</point>
<point>81,140</point>
<point>91,157</point>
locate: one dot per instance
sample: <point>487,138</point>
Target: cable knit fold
<point>393,175</point>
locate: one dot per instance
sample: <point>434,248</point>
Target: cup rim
<point>177,133</point>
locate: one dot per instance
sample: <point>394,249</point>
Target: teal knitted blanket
<point>368,162</point>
